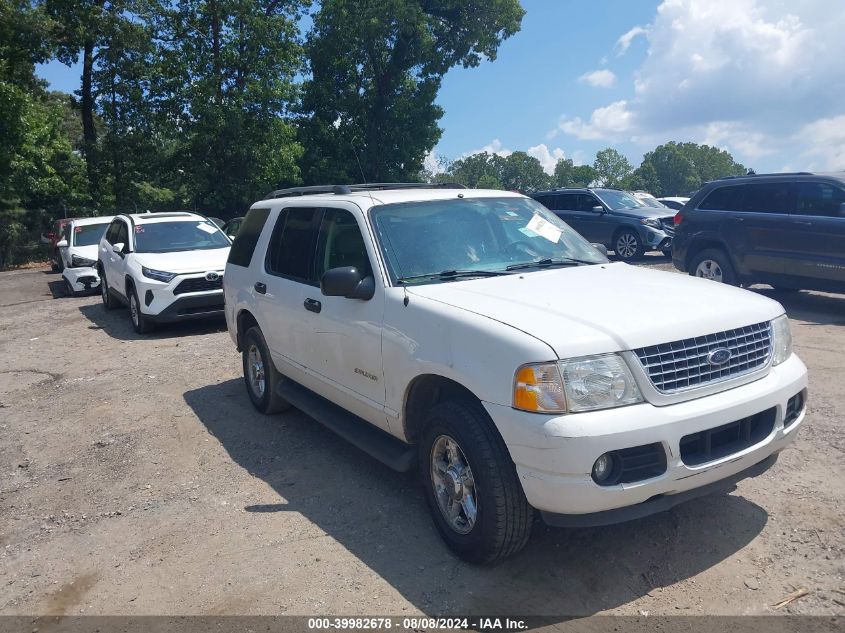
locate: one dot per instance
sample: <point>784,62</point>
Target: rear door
<point>817,254</point>
<point>568,208</point>
<point>765,222</point>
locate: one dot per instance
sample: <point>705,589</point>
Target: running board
<point>357,431</point>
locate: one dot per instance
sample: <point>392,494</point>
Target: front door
<point>345,335</point>
<point>817,254</point>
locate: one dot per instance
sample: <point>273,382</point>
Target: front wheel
<point>260,374</point>
<point>109,302</point>
<point>140,322</point>
<point>628,246</point>
<point>471,485</point>
<point>714,265</point>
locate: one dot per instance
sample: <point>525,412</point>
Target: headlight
<point>652,222</point>
<point>81,262</point>
<point>781,340</point>
<point>158,275</point>
<point>580,384</point>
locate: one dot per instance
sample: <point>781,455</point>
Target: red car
<point>52,238</point>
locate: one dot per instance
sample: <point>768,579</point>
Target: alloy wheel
<point>454,484</point>
<point>626,246</point>
<point>709,269</point>
<point>255,366</point>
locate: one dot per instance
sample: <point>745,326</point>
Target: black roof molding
<point>340,190</point>
<point>789,173</point>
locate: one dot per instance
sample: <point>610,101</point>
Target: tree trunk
<point>89,131</point>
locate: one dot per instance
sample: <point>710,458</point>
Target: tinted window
<point>181,235</point>
<point>87,234</point>
<point>723,199</point>
<point>566,202</point>
<point>244,245</point>
<point>291,248</point>
<point>546,201</point>
<point>340,243</point>
<point>122,236</point>
<point>586,202</point>
<point>819,198</point>
<point>766,198</point>
<point>111,233</point>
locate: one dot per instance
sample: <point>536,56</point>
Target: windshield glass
<point>484,234</point>
<point>88,234</point>
<point>651,201</point>
<point>618,200</point>
<point>166,237</point>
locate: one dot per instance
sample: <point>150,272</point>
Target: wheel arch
<point>425,391</point>
<point>702,243</point>
<point>243,322</point>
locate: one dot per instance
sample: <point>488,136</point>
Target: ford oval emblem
<point>211,276</point>
<point>719,356</point>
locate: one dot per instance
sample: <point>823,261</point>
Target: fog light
<point>603,468</point>
<point>148,298</point>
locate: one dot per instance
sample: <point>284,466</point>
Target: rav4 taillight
<point>678,218</point>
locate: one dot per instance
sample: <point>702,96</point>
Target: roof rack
<point>756,175</point>
<point>341,190</point>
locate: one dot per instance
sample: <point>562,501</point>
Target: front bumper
<point>554,455</point>
<point>82,279</point>
<point>657,239</point>
<point>163,302</point>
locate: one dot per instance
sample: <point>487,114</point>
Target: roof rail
<point>340,190</point>
<point>756,175</point>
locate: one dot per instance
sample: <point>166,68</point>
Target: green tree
<point>376,68</point>
<point>477,171</point>
<point>611,167</point>
<point>521,172</point>
<point>562,176</point>
<point>583,176</point>
<point>681,168</point>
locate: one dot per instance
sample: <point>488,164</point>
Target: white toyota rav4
<point>475,335</point>
<point>78,252</point>
<point>165,266</point>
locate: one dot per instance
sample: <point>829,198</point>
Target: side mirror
<point>597,209</point>
<point>347,282</point>
<point>601,248</point>
<point>118,248</point>
<point>61,244</point>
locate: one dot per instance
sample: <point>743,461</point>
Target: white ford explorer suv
<point>78,252</point>
<point>475,335</point>
<point>165,266</point>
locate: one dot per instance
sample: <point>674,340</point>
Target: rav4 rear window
<point>247,238</point>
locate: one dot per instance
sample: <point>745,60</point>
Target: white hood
<point>605,308</point>
<point>196,261</point>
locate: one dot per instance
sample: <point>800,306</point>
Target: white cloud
<point>611,122</point>
<point>548,158</point>
<point>598,78</point>
<point>493,147</point>
<point>624,42</point>
<point>757,77</point>
<point>432,163</point>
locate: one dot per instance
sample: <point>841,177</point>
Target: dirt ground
<point>136,478</point>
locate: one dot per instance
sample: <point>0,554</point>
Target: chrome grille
<point>682,365</point>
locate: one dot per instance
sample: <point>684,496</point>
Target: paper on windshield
<point>204,226</point>
<point>544,228</point>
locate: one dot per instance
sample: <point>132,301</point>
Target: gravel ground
<point>136,478</point>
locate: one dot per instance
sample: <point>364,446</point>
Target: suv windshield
<point>88,234</point>
<point>618,200</point>
<point>166,237</point>
<point>475,234</point>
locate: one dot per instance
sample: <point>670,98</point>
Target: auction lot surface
<point>136,478</point>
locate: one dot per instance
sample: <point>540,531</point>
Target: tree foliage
<point>611,168</point>
<point>676,169</point>
<point>516,172</point>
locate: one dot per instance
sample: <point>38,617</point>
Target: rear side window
<point>773,197</point>
<point>819,199</point>
<point>723,199</point>
<point>546,201</point>
<point>291,249</point>
<point>244,245</point>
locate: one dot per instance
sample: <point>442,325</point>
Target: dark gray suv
<point>785,230</point>
<point>614,218</point>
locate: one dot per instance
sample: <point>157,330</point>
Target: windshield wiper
<point>454,274</point>
<point>548,263</point>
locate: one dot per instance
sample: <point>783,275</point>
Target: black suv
<point>786,230</point>
<point>613,218</point>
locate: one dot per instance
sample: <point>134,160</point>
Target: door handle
<point>312,305</point>
<point>260,288</point>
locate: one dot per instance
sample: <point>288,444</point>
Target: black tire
<point>60,264</point>
<point>140,322</point>
<point>628,246</point>
<point>69,291</point>
<point>667,252</point>
<point>716,261</point>
<point>109,302</point>
<point>265,399</point>
<point>503,516</point>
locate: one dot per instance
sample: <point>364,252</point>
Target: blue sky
<point>760,78</point>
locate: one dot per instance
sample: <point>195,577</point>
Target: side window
<point>767,198</point>
<point>587,202</point>
<point>820,199</point>
<point>111,233</point>
<point>566,202</point>
<point>291,247</point>
<point>122,235</point>
<point>340,243</point>
<point>247,237</point>
<point>723,199</point>
<point>546,201</point>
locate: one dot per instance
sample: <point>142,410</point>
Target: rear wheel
<point>471,485</point>
<point>628,246</point>
<point>140,322</point>
<point>260,374</point>
<point>713,264</point>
